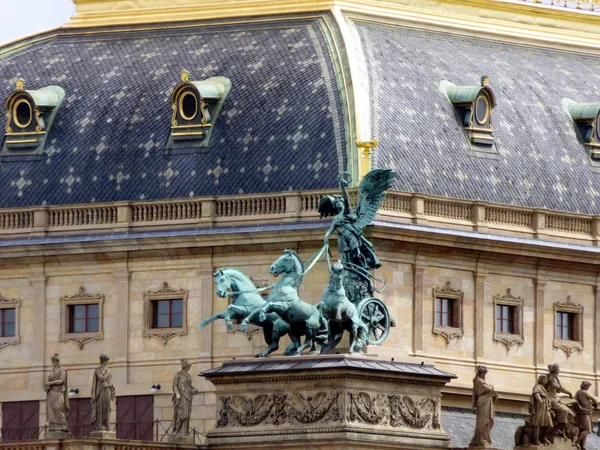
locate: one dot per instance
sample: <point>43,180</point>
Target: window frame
<point>6,303</point>
<point>515,338</point>
<point>164,293</point>
<point>81,298</point>
<point>569,346</point>
<point>457,296</point>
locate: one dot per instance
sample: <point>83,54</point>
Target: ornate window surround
<point>81,298</point>
<point>164,293</point>
<point>510,339</point>
<point>6,303</point>
<point>449,333</point>
<point>575,345</point>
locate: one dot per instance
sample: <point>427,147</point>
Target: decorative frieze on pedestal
<point>342,400</point>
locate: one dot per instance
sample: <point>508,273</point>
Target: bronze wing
<point>371,193</point>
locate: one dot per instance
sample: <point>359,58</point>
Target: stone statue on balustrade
<point>183,393</point>
<point>57,401</point>
<point>484,398</point>
<point>584,406</point>
<point>560,410</point>
<point>540,406</point>
<point>103,393</point>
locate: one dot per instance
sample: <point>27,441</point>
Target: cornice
<point>502,18</point>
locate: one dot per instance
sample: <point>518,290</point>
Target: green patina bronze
<point>347,303</point>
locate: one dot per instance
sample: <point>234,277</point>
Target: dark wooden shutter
<point>80,416</point>
<point>135,417</point>
<point>20,421</point>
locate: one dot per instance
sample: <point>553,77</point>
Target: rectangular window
<point>80,416</point>
<point>135,417</point>
<point>167,313</point>
<point>505,319</point>
<point>444,312</point>
<point>84,318</point>
<point>20,421</point>
<point>565,326</point>
<point>7,322</point>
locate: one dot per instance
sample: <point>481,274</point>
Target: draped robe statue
<point>57,400</point>
<point>103,392</point>
<point>183,393</point>
<point>584,408</point>
<point>484,397</point>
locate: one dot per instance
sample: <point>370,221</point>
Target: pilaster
<point>121,351</point>
<point>540,286</point>
<point>418,310</point>
<point>38,346</point>
<point>206,301</point>
<point>479,278</point>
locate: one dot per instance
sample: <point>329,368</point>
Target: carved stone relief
<point>278,409</point>
<point>398,411</point>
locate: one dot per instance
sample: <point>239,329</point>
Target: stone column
<point>479,313</point>
<point>540,286</point>
<point>121,352</point>
<point>419,273</point>
<point>206,303</point>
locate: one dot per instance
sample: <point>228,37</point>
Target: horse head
<point>289,263</point>
<point>223,283</point>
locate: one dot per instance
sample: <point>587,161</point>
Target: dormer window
<point>586,118</point>
<point>29,115</point>
<point>473,106</point>
<point>196,106</point>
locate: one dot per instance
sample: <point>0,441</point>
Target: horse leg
<point>221,315</point>
<point>294,346</point>
<point>249,319</point>
<point>353,330</point>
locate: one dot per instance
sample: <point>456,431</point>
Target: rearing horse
<point>303,318</point>
<point>246,299</point>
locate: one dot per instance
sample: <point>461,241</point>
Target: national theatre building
<point>147,144</point>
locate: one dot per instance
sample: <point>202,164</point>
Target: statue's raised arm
<point>353,247</point>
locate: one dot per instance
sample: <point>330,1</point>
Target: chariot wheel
<point>376,317</point>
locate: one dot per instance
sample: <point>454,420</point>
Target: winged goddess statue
<point>352,245</point>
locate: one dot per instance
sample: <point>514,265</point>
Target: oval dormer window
<point>188,106</point>
<point>23,113</point>
<point>597,126</point>
<point>482,109</point>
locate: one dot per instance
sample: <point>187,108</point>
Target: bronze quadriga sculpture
<point>348,302</point>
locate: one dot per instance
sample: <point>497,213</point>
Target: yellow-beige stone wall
<point>138,362</point>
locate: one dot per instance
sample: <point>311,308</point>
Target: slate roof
<point>460,423</point>
<point>540,162</point>
<point>281,127</point>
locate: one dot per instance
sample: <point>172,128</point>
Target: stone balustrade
<point>297,206</point>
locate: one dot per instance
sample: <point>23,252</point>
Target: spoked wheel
<point>376,317</point>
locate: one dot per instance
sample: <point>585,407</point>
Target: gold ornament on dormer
<point>20,84</point>
<point>185,76</point>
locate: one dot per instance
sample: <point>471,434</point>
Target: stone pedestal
<point>57,435</point>
<point>184,440</point>
<point>103,434</point>
<point>559,444</point>
<point>333,402</point>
